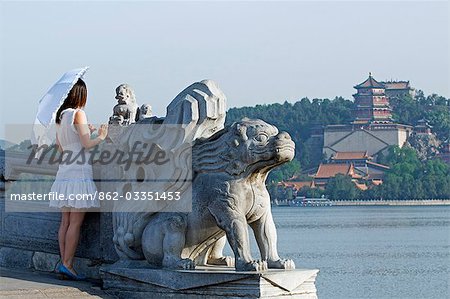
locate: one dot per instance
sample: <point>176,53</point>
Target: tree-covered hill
<point>298,118</point>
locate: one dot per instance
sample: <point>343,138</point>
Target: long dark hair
<point>75,99</point>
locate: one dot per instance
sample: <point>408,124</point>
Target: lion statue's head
<point>125,95</point>
<point>248,146</point>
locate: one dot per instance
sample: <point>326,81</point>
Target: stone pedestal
<point>208,282</point>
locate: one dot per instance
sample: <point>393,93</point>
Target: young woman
<point>74,179</point>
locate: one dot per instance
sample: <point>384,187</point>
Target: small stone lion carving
<point>229,193</point>
<point>124,113</point>
<point>145,111</point>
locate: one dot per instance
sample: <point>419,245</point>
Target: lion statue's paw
<point>255,265</point>
<point>186,264</point>
<point>183,264</point>
<point>286,264</point>
<point>222,261</point>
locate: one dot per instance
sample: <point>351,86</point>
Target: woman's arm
<point>58,145</point>
<point>80,122</point>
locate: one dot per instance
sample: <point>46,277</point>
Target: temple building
<point>327,171</point>
<point>398,89</point>
<point>363,165</point>
<point>422,128</point>
<point>364,173</point>
<point>358,165</point>
<point>371,103</point>
<point>371,129</point>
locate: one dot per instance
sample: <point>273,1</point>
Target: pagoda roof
<point>396,84</point>
<point>350,156</point>
<point>361,121</point>
<point>297,185</point>
<point>423,123</point>
<point>326,171</point>
<point>377,165</point>
<point>370,83</point>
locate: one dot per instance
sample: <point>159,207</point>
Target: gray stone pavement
<point>18,283</point>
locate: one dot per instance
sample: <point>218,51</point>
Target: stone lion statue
<point>124,113</point>
<point>229,193</point>
<point>227,178</point>
<point>145,111</point>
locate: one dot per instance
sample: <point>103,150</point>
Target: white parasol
<point>43,131</point>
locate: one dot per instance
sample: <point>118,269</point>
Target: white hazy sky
<point>258,52</point>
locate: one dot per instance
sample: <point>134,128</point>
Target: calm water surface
<point>370,252</point>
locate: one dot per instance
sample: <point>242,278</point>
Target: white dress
<point>73,180</point>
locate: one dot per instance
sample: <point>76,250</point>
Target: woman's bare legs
<point>72,236</point>
<point>62,231</point>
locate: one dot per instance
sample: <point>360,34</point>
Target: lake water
<point>369,252</point>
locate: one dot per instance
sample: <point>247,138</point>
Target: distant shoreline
<point>417,202</point>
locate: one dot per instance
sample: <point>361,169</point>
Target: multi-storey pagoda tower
<point>372,129</point>
<point>371,103</point>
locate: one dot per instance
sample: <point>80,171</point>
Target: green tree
<point>409,178</point>
<point>341,187</point>
<point>285,171</point>
<point>310,192</point>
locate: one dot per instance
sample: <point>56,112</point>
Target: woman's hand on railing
<point>103,131</point>
<point>92,128</point>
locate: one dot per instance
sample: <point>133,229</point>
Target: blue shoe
<point>67,273</point>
